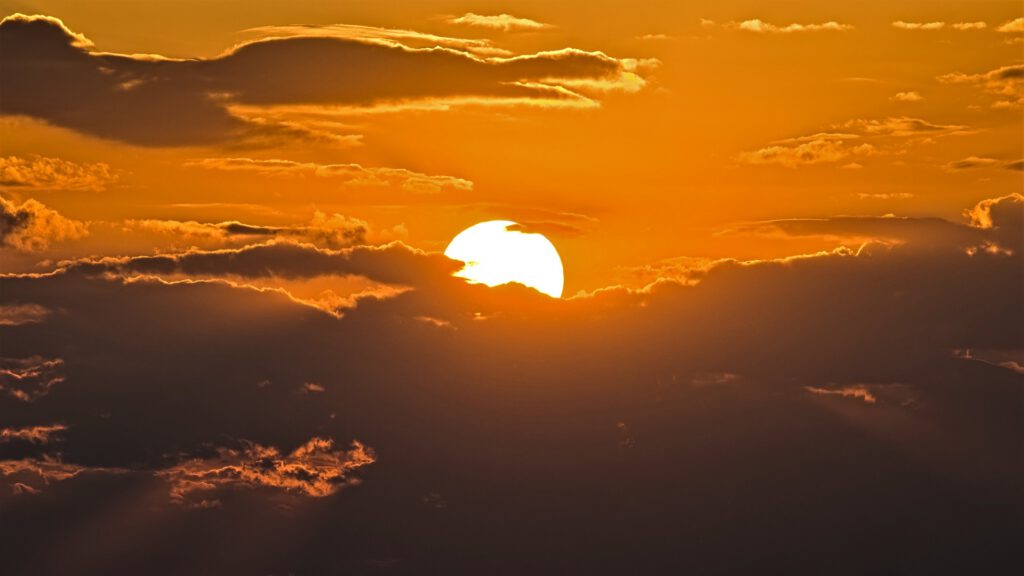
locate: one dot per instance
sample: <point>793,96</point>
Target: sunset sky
<point>791,235</point>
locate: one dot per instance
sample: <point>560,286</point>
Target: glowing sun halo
<point>495,255</point>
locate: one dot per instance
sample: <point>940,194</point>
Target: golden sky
<point>790,339</point>
<point>701,120</point>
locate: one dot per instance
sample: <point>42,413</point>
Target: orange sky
<point>790,339</point>
<point>717,117</point>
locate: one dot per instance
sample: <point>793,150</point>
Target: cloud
<point>860,138</point>
<point>334,231</point>
<point>155,101</point>
<point>18,314</point>
<point>314,469</point>
<point>1015,26</point>
<point>901,126</point>
<point>349,174</point>
<point>503,22</point>
<point>815,149</point>
<point>31,226</point>
<point>509,402</point>
<point>860,230</point>
<point>40,172</point>
<point>918,25</point>
<point>1015,165</point>
<point>393,263</point>
<point>31,378</point>
<point>1005,83</point>
<point>859,391</point>
<point>907,97</point>
<point>31,434</point>
<point>762,27</point>
<point>972,162</point>
<point>970,26</point>
<point>383,36</point>
<point>1002,212</point>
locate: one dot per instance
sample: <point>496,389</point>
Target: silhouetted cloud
<point>30,378</point>
<point>690,397</point>
<point>31,434</point>
<point>55,75</point>
<point>313,469</point>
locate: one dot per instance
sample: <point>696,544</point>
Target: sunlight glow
<point>495,255</point>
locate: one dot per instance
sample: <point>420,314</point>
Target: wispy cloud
<point>503,22</point>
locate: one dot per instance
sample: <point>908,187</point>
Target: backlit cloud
<point>762,27</point>
<point>1005,84</point>
<point>163,102</point>
<point>31,226</point>
<point>1015,26</point>
<point>39,172</point>
<point>503,22</point>
<point>918,25</point>
<point>313,469</point>
<point>28,379</point>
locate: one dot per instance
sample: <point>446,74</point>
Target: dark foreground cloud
<point>803,416</point>
<point>56,75</point>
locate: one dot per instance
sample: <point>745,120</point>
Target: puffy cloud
<point>762,27</point>
<point>157,101</point>
<point>907,97</point>
<point>970,26</point>
<point>313,469</point>
<point>39,172</point>
<point>815,149</point>
<point>503,22</point>
<point>859,138</point>
<point>1015,26</point>
<point>918,25</point>
<point>31,226</point>
<point>1005,83</point>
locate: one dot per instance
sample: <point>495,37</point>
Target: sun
<point>493,254</point>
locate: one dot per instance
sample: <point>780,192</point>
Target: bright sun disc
<point>495,255</point>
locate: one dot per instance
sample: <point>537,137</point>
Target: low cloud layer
<point>728,389</point>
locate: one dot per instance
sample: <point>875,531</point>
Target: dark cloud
<point>53,74</point>
<point>30,378</point>
<point>313,469</point>
<point>715,426</point>
<point>393,263</point>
